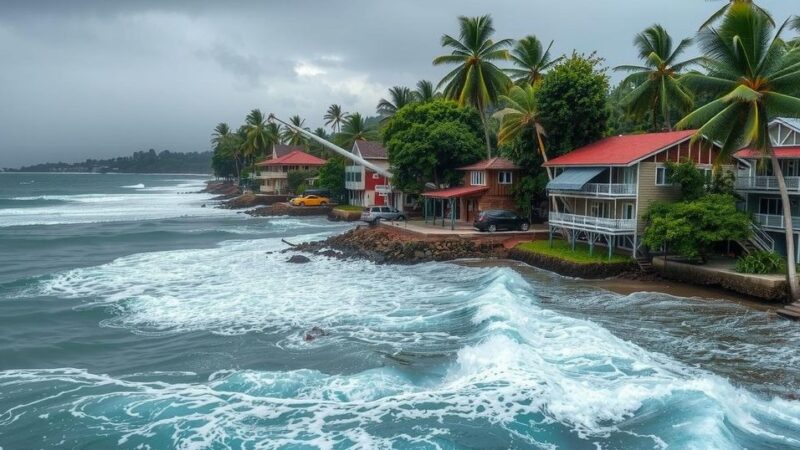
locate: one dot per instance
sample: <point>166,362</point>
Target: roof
<point>621,150</point>
<point>371,150</point>
<point>780,152</point>
<point>574,178</point>
<point>280,150</point>
<point>295,158</point>
<point>495,163</point>
<point>791,121</point>
<point>455,192</point>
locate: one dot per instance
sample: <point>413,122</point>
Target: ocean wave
<point>135,186</point>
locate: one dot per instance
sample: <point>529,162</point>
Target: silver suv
<point>373,214</point>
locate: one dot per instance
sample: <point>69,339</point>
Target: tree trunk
<point>791,265</point>
<point>482,113</point>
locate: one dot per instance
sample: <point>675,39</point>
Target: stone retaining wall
<point>571,269</point>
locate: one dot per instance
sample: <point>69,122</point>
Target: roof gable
<point>280,150</point>
<point>370,150</point>
<point>496,163</point>
<point>621,150</point>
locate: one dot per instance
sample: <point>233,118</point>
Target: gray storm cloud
<point>94,78</point>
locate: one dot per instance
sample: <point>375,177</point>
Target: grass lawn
<point>349,208</point>
<point>562,249</point>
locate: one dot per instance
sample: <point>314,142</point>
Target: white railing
<point>760,239</point>
<point>270,175</point>
<point>767,183</point>
<point>604,189</point>
<point>383,189</point>
<point>775,221</point>
<point>590,222</point>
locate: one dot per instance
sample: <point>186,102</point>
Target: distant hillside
<point>140,162</point>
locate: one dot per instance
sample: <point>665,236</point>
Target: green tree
<point>722,11</point>
<point>331,177</point>
<point>521,113</point>
<point>476,80</point>
<point>293,137</point>
<point>531,59</point>
<point>573,103</point>
<point>755,76</point>
<point>425,91</point>
<point>220,131</point>
<point>690,228</point>
<point>334,117</point>
<point>426,142</point>
<point>620,120</point>
<point>658,86</point>
<point>258,137</point>
<point>355,128</point>
<point>399,96</point>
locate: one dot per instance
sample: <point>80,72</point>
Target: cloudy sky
<point>100,78</point>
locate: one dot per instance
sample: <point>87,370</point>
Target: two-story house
<point>488,184</point>
<point>602,191</point>
<point>274,172</point>
<point>759,188</point>
<point>366,187</point>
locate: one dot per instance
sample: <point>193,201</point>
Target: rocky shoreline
<point>223,189</point>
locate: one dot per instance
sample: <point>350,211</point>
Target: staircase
<point>645,260</point>
<point>791,311</point>
<point>758,241</point>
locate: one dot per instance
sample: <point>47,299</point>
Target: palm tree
<point>399,96</point>
<point>425,91</point>
<point>355,129</point>
<point>754,77</point>
<point>658,85</point>
<point>721,12</point>
<point>293,137</point>
<point>334,117</point>
<point>520,114</point>
<point>477,80</point>
<point>257,135</point>
<point>531,59</point>
<point>220,131</point>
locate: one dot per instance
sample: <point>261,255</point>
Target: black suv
<point>500,219</point>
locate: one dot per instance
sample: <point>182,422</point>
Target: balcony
<point>383,189</point>
<point>590,223</point>
<point>765,183</point>
<point>602,190</point>
<point>354,178</point>
<point>775,221</point>
<point>271,175</point>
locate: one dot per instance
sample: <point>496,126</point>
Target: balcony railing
<point>765,183</point>
<point>271,175</point>
<point>383,189</point>
<point>775,221</point>
<point>591,223</point>
<point>603,190</point>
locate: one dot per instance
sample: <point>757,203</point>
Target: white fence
<point>592,223</point>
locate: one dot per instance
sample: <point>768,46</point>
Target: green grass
<point>349,208</point>
<point>562,249</point>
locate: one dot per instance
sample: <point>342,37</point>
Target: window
<point>478,178</point>
<point>504,177</point>
<point>770,206</point>
<point>662,176</point>
<point>600,209</point>
<point>375,176</point>
<point>628,211</point>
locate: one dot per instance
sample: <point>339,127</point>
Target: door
<point>628,211</point>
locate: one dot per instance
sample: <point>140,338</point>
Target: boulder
<point>298,259</point>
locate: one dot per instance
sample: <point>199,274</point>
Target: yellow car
<point>309,200</point>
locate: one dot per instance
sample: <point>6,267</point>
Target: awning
<point>573,179</point>
<point>456,192</point>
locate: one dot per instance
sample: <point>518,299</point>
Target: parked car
<point>320,192</point>
<point>309,200</point>
<point>374,214</point>
<point>499,219</point>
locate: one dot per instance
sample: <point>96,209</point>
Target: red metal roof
<point>495,163</point>
<point>463,191</point>
<point>294,158</point>
<point>780,152</point>
<point>620,150</point>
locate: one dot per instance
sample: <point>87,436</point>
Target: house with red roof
<point>274,172</point>
<point>364,186</point>
<point>602,191</point>
<point>756,182</point>
<point>488,184</point>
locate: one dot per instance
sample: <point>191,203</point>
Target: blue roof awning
<point>573,179</point>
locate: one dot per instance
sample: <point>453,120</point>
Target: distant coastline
<point>164,162</point>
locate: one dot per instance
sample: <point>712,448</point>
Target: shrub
<point>761,263</point>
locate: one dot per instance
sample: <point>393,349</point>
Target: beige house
<point>602,191</point>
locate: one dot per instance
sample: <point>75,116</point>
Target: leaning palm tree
<point>334,117</point>
<point>531,59</point>
<point>721,12</point>
<point>657,82</point>
<point>755,77</point>
<point>520,114</point>
<point>354,129</point>
<point>293,137</point>
<point>476,80</point>
<point>220,131</point>
<point>257,136</point>
<point>399,96</point>
<point>425,91</point>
